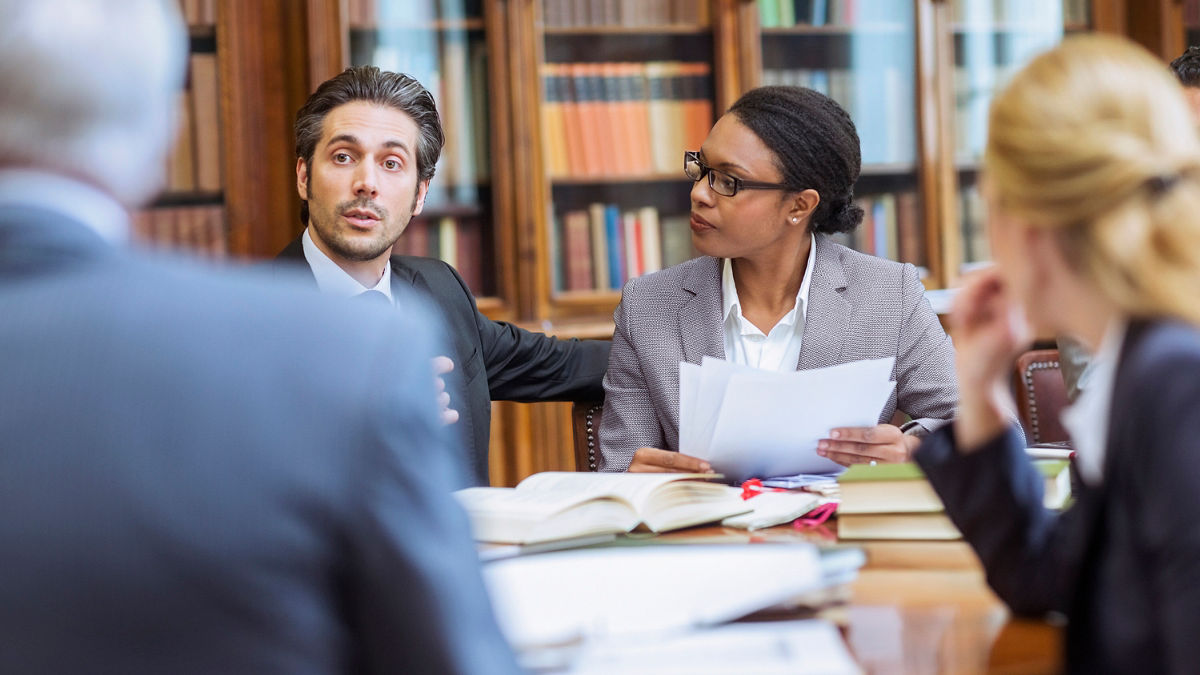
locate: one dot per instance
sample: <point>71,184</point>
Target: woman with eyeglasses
<point>774,177</point>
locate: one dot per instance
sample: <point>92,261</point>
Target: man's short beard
<point>342,246</point>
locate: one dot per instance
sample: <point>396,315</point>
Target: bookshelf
<point>189,215</point>
<point>622,88</point>
<point>1191,22</point>
<point>862,54</point>
<point>447,46</point>
<point>993,39</point>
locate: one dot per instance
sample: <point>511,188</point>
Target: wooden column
<point>1158,26</point>
<point>262,58</point>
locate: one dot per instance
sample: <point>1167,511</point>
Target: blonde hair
<point>1094,140</point>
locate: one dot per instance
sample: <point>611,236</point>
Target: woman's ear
<point>803,205</point>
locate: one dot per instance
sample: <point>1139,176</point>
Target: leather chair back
<point>1041,395</point>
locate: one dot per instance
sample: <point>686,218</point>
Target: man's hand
<point>862,445</point>
<point>441,366</point>
<point>654,460</point>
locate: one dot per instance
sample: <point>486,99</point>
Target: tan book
<point>559,505</point>
<point>908,526</point>
<point>206,100</point>
<point>599,247</point>
<point>181,167</point>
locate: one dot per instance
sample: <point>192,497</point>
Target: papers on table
<point>572,597</point>
<point>810,646</point>
<point>756,423</point>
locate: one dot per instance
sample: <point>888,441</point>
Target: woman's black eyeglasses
<point>721,182</point>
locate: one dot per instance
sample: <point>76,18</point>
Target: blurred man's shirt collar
<point>72,198</point>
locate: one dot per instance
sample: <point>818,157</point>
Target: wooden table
<point>918,607</point>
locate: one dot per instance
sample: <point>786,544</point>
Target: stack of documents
<point>756,423</point>
<point>573,596</point>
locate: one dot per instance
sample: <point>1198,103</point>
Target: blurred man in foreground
<point>169,501</point>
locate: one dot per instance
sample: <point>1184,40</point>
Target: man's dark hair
<point>370,84</point>
<point>1187,67</point>
<point>815,146</point>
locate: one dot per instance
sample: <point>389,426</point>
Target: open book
<point>558,505</point>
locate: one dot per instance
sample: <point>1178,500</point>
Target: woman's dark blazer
<point>1123,562</point>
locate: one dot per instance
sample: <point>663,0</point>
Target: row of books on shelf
<point>457,241</point>
<point>199,12</point>
<point>454,69</point>
<point>1031,14</point>
<point>368,14</point>
<point>880,101</point>
<point>574,13</point>
<point>622,119</point>
<point>603,247</point>
<point>195,161</point>
<point>199,230</point>
<point>891,228</point>
<point>787,13</point>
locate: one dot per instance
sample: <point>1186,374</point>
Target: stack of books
<point>895,501</point>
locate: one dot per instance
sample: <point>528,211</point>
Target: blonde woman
<point>1092,177</point>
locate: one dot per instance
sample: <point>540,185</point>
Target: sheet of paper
<point>559,598</point>
<point>768,423</point>
<point>759,648</point>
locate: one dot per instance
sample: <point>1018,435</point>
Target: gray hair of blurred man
<point>89,90</point>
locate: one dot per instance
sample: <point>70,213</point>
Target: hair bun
<point>845,217</point>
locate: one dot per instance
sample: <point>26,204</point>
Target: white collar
<point>729,295</point>
<point>334,280</point>
<point>1087,419</point>
<point>75,199</point>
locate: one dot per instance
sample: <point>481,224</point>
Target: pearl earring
<point>795,220</point>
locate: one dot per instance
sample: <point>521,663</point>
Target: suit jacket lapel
<point>700,321</point>
<point>828,313</point>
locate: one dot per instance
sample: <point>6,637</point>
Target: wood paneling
<point>262,57</point>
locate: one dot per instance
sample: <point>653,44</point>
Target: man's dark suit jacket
<point>1124,561</point>
<point>206,473</point>
<point>493,360</point>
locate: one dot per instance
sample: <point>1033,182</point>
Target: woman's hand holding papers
<point>862,445</point>
<point>655,460</point>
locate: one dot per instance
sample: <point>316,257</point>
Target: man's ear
<point>422,190</point>
<point>302,178</point>
<point>803,205</point>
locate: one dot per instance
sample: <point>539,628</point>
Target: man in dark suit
<point>366,143</point>
<point>198,474</point>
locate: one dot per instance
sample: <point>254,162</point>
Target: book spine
<point>616,246</point>
<point>600,267</point>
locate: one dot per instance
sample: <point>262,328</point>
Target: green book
<point>902,488</point>
<point>768,13</point>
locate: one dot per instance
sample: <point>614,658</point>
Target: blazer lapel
<point>828,313</point>
<point>700,321</point>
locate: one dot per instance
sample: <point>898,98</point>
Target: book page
<point>634,488</point>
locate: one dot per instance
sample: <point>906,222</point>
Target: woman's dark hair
<point>815,145</point>
<point>1187,67</point>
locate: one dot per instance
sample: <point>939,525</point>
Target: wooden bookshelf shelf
<point>661,29</point>
<point>443,25</point>
<point>672,177</point>
<point>997,28</point>
<point>573,328</point>
<point>587,299</point>
<point>889,169</point>
<point>835,29</point>
<point>190,198</point>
